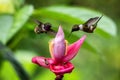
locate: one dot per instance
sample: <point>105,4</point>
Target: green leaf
<point>20,18</point>
<point>8,55</point>
<point>7,6</point>
<point>78,15</point>
<point>24,57</point>
<point>6,22</point>
<point>74,75</point>
<point>6,69</point>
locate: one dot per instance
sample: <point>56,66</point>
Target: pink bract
<point>61,54</point>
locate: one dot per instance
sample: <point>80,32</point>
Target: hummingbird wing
<point>92,21</point>
<point>51,32</point>
<point>38,22</point>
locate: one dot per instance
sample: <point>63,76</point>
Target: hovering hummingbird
<point>88,26</point>
<point>43,28</point>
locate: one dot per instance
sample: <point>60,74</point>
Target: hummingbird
<point>43,28</point>
<point>89,26</point>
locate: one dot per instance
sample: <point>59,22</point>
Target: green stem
<point>8,55</point>
<point>59,77</point>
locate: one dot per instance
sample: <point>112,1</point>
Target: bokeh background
<point>98,58</point>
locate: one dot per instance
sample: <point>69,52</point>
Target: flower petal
<point>59,45</point>
<point>62,69</point>
<point>73,49</point>
<point>51,44</point>
<point>42,61</point>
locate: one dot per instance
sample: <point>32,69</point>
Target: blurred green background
<point>99,57</point>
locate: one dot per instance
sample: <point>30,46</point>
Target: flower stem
<point>59,77</point>
<point>8,55</point>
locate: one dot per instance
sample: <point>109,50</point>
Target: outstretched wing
<point>51,32</point>
<point>38,22</point>
<point>92,21</point>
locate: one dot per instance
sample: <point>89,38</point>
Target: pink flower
<point>61,54</point>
